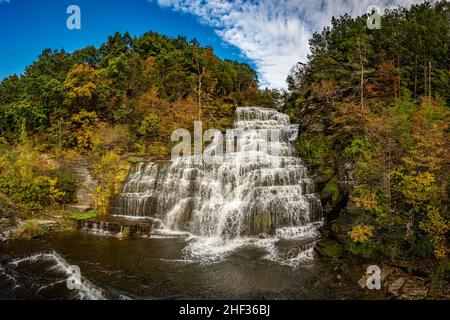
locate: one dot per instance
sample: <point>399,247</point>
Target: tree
<point>80,86</point>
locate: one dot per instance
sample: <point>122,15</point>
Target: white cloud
<point>273,33</point>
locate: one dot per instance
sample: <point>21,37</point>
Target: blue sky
<point>29,26</point>
<point>271,35</point>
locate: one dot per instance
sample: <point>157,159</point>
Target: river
<point>157,269</point>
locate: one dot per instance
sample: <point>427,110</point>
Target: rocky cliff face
<point>333,176</point>
<point>86,186</point>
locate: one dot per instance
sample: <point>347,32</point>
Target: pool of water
<point>158,269</point>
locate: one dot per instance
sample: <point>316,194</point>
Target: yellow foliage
<point>436,226</point>
<point>80,82</point>
<point>419,188</point>
<point>83,124</point>
<point>149,65</point>
<point>55,194</point>
<point>27,176</point>
<point>111,171</point>
<point>3,163</point>
<point>361,234</point>
<point>84,91</point>
<point>365,199</point>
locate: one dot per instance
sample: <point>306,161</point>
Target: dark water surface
<point>155,269</point>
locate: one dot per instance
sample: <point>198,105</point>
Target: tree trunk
<point>415,79</point>
<point>199,96</point>
<point>429,83</point>
<point>362,86</point>
<point>425,79</point>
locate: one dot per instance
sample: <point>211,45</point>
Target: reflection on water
<point>156,269</point>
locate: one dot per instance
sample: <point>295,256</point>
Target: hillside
<point>374,112</point>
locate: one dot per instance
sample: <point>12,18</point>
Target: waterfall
<point>252,192</point>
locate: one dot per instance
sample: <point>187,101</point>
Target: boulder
<point>48,225</point>
<point>414,289</point>
<point>395,287</point>
<point>8,217</point>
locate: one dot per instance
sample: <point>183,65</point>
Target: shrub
<point>365,249</point>
<point>419,247</point>
<point>313,149</point>
<point>360,234</point>
<point>111,137</point>
<point>68,185</point>
<point>22,178</point>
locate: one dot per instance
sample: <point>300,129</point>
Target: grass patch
<point>135,160</point>
<point>83,216</point>
<point>29,230</point>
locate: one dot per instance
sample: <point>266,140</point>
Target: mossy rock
<point>332,187</point>
<point>329,248</point>
<point>262,223</point>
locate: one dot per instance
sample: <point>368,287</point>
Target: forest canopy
<point>134,82</point>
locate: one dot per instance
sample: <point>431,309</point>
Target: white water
<point>86,291</point>
<point>252,198</point>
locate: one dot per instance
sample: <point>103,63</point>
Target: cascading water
<point>258,194</point>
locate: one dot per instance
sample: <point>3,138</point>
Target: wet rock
<point>118,227</point>
<point>291,249</point>
<point>340,227</point>
<point>30,229</point>
<point>397,284</point>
